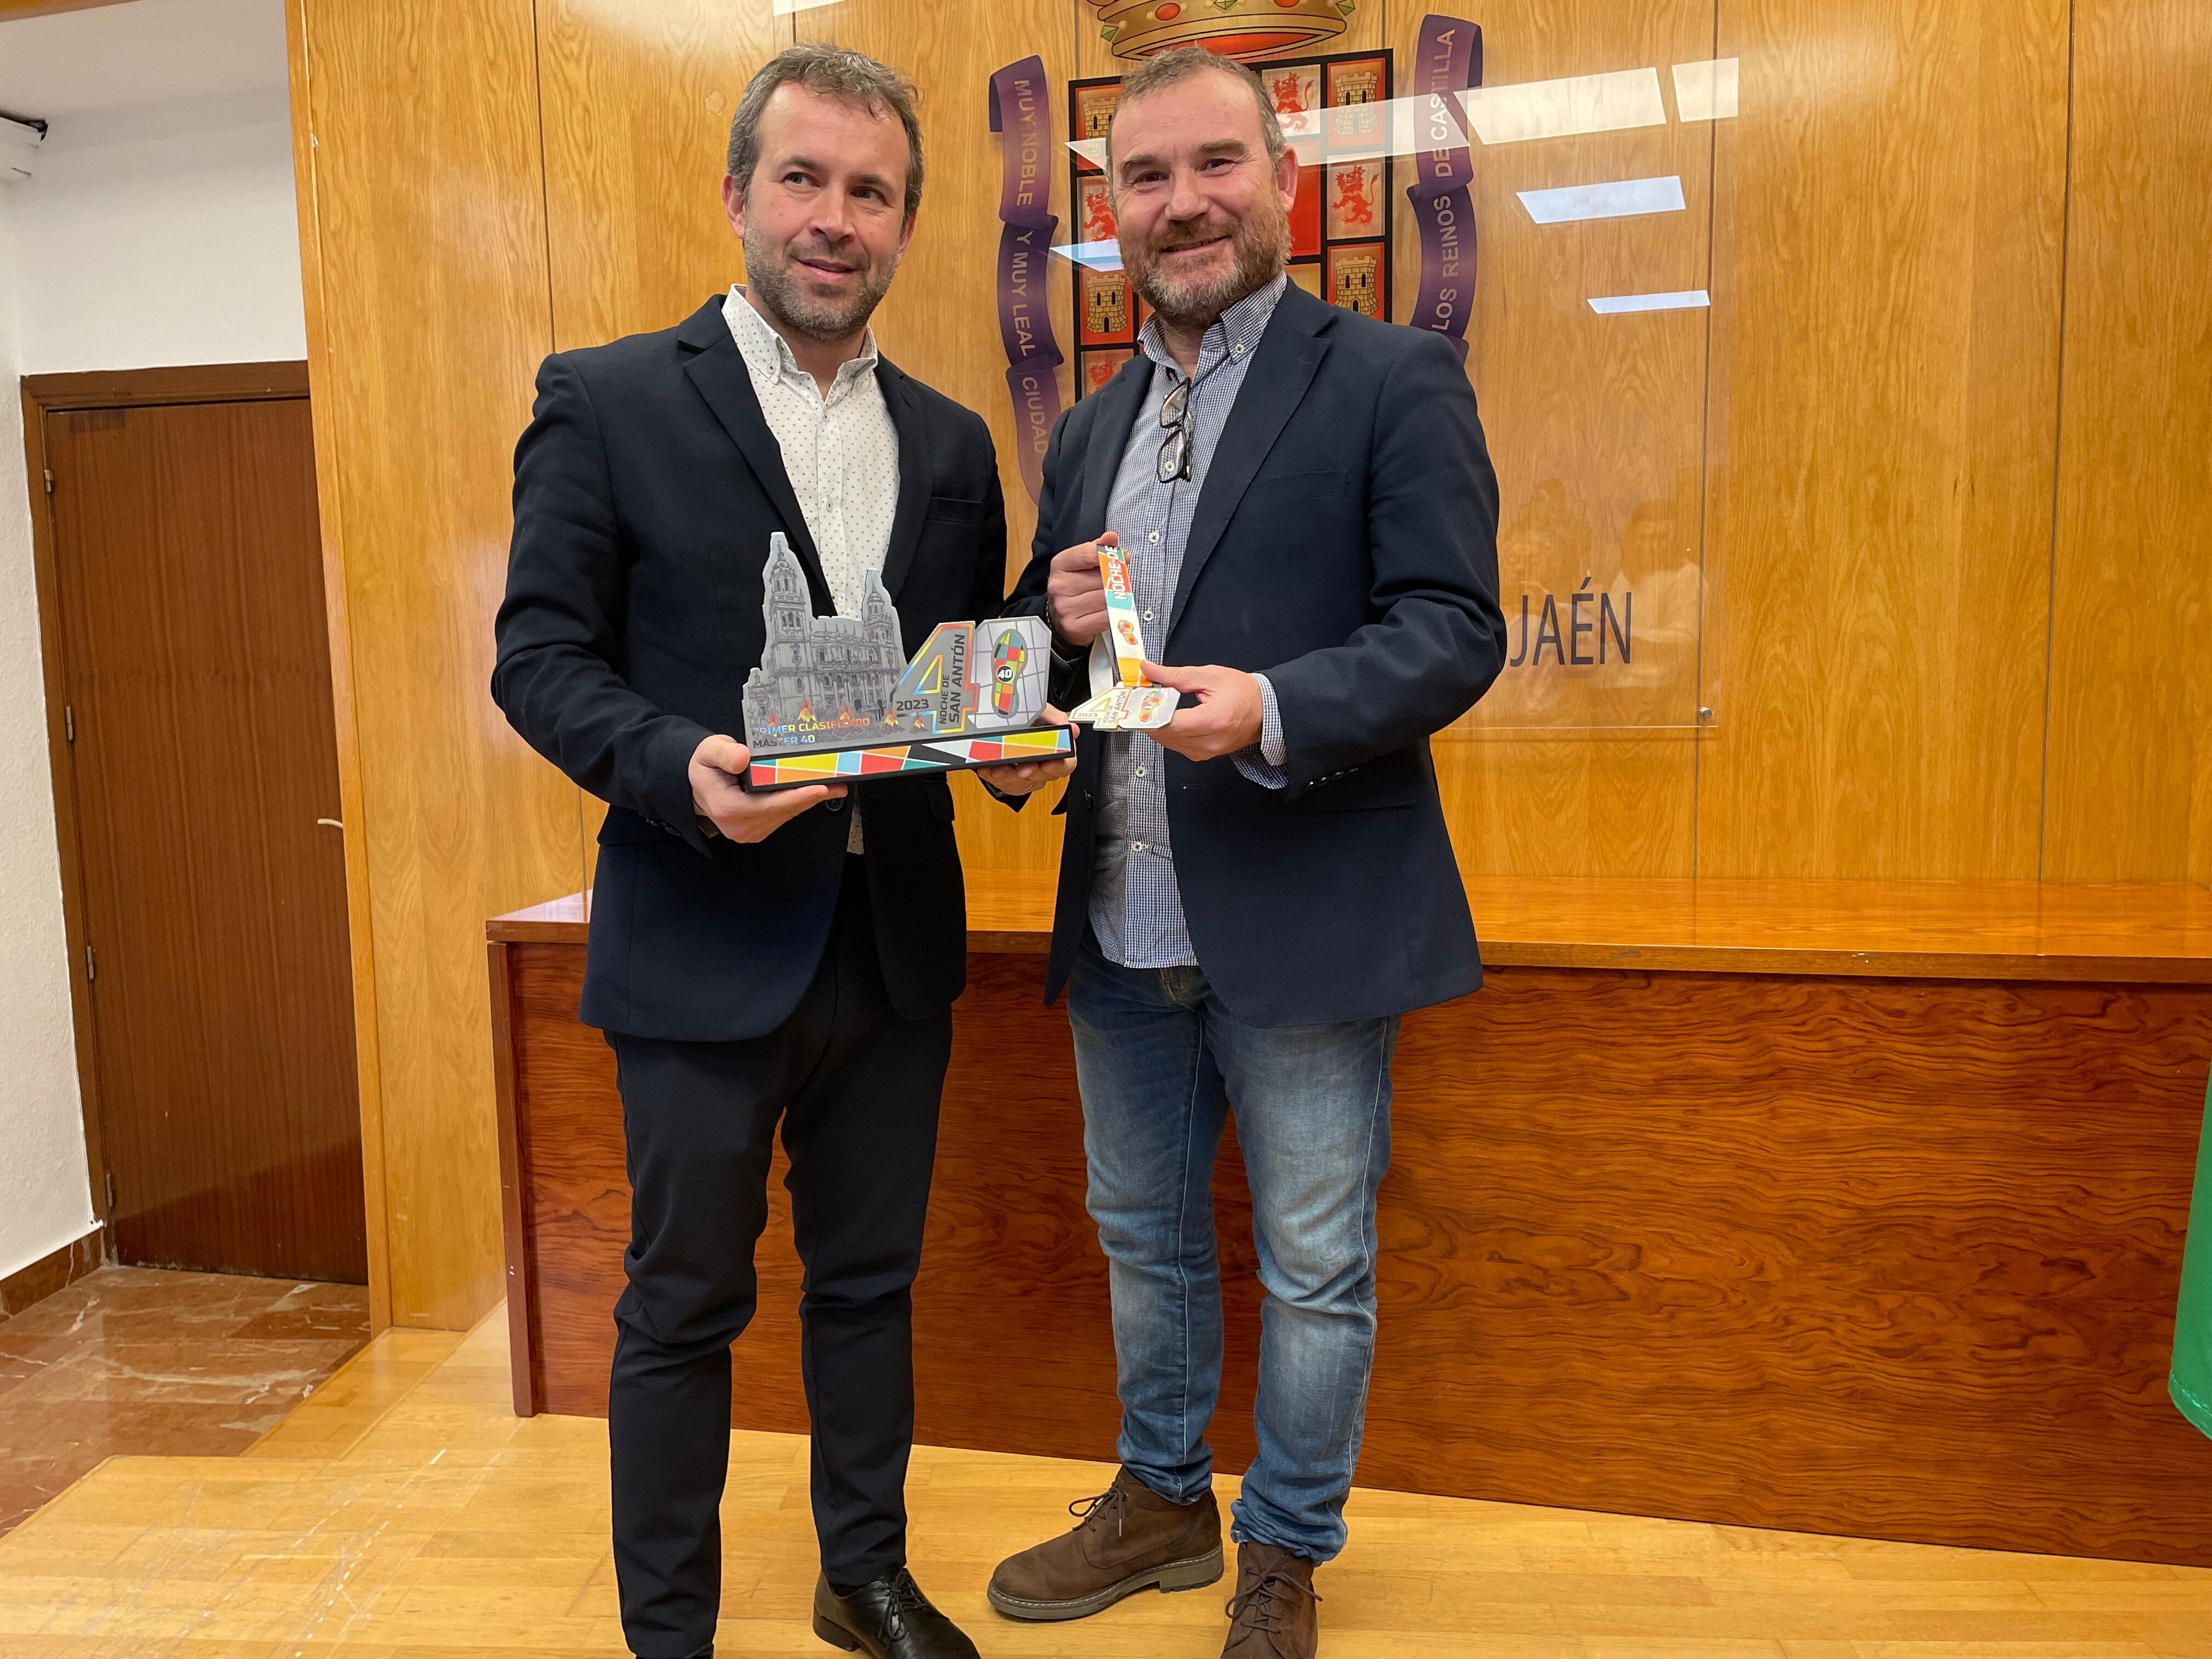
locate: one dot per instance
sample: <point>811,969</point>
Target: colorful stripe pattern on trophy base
<point>907,759</point>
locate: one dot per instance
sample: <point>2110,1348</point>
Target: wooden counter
<point>2121,931</point>
<point>1853,1207</point>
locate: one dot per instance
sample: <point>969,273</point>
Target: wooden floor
<point>402,1513</point>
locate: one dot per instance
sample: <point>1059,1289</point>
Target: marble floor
<point>139,1360</point>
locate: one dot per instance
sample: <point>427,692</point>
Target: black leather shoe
<point>890,1619</point>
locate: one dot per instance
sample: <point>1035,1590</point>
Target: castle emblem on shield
<point>1235,28</point>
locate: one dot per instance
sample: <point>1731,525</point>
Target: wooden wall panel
<point>1596,424</point>
<point>1885,507</point>
<point>2130,779</point>
<point>427,284</point>
<point>1582,804</point>
<point>637,99</point>
<point>939,322</point>
<point>336,613</point>
<point>1879,371</point>
<point>1888,1258</point>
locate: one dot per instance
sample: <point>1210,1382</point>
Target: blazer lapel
<point>913,490</point>
<point>1119,403</point>
<point>718,369</point>
<point>1283,367</point>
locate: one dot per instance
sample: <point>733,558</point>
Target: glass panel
<point>1595,336</point>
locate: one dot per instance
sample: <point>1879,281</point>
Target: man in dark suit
<point>1250,898</point>
<point>760,960</point>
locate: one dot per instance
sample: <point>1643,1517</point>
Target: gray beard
<point>1261,258</point>
<point>769,283</point>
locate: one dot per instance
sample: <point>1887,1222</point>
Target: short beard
<point>1261,243</point>
<point>771,284</point>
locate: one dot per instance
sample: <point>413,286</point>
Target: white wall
<point>44,1199</point>
<point>162,235</point>
<point>152,233</point>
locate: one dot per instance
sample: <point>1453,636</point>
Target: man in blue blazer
<point>1250,898</point>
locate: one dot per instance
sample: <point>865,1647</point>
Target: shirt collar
<point>1237,329</point>
<point>767,354</point>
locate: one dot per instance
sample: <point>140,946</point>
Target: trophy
<point>833,699</point>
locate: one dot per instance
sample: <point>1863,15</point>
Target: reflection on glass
<point>1705,91</point>
<point>1095,256</point>
<point>1687,298</point>
<point>1555,109</point>
<point>1496,115</point>
<point>1620,200</point>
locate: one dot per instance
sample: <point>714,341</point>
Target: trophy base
<point>865,761</point>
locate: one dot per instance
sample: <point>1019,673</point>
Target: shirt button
<point>1136,847</point>
<point>1148,616</point>
<point>1154,537</point>
<point>1236,351</point>
<point>1140,771</point>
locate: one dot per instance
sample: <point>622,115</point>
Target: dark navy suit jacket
<point>1345,545</point>
<point>645,491</point>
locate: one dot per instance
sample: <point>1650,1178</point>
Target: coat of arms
<point>1340,219</point>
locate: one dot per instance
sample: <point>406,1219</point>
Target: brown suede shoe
<point>1273,1615</point>
<point>1126,1538</point>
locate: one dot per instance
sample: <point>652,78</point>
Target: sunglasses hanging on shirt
<point>1175,457</point>
<point>1180,447</point>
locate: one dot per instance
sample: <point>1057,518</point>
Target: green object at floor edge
<point>2190,1385</point>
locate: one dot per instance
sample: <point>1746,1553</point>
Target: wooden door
<point>195,670</point>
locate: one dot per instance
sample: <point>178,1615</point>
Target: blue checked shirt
<point>1136,909</point>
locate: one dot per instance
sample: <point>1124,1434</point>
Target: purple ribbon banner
<point>1020,113</point>
<point>1448,60</point>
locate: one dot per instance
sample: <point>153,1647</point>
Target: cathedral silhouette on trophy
<point>831,676</point>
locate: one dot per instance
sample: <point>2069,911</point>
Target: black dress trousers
<point>855,1088</point>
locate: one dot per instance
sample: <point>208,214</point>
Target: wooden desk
<point>1850,1207</point>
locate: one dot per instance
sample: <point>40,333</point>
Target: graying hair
<point>1170,68</point>
<point>851,77</point>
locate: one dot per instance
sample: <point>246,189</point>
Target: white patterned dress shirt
<point>841,452</point>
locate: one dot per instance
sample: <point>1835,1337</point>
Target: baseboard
<point>56,1270</point>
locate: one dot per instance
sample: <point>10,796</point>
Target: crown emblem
<point>1235,28</point>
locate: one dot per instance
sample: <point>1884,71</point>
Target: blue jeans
<point>1162,1064</point>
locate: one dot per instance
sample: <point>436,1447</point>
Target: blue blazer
<point>645,491</point>
<point>1346,545</point>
